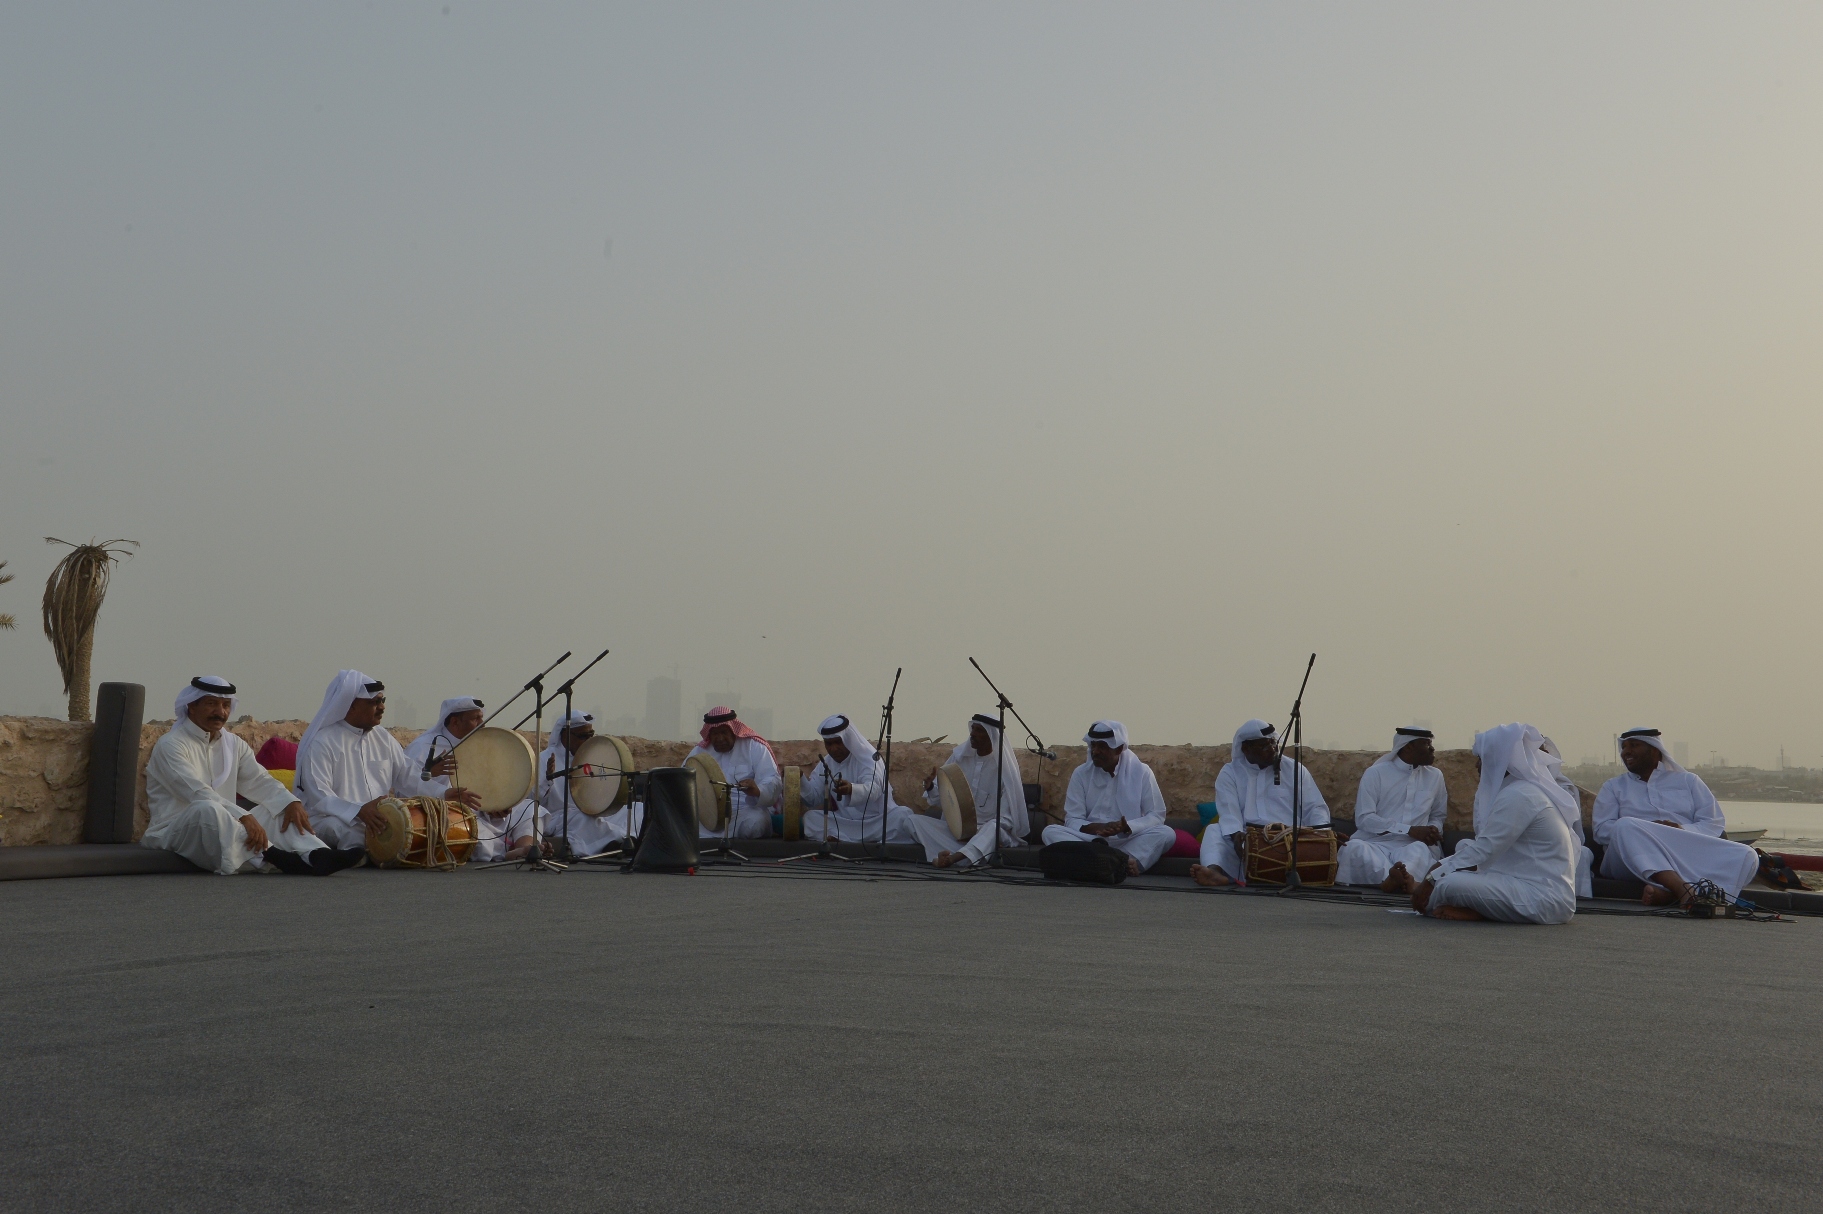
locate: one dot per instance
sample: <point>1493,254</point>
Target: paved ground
<point>486,1041</point>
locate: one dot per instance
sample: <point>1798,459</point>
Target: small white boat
<point>1743,836</point>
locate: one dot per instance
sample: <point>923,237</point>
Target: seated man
<point>1521,865</point>
<point>1245,795</point>
<point>1661,824</point>
<point>991,772</point>
<point>196,772</point>
<point>347,765</point>
<point>1585,859</point>
<point>850,792</point>
<point>747,762</point>
<point>501,836</point>
<point>588,835</point>
<point>1399,814</point>
<point>1115,797</point>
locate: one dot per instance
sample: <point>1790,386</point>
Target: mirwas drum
<point>711,792</point>
<point>792,803</point>
<point>601,779</point>
<point>496,765</point>
<point>957,801</point>
<point>422,832</point>
<point>1269,854</point>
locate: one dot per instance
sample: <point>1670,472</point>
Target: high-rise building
<point>664,720</point>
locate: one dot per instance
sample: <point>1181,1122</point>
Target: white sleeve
<point>1607,809</point>
<point>1368,819</point>
<point>1228,801</point>
<point>1440,803</point>
<point>181,777</point>
<point>315,788</point>
<point>1313,810</point>
<point>1504,826</point>
<point>1075,801</point>
<point>1152,803</point>
<point>766,776</point>
<point>1709,819</point>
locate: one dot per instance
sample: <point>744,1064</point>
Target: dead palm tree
<point>72,600</point>
<point>6,621</point>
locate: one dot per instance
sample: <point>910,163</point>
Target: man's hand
<point>749,786</point>
<point>294,818</point>
<point>1121,827</point>
<point>444,766</point>
<point>463,796</point>
<point>844,788</point>
<point>1425,834</point>
<point>930,781</point>
<point>369,816</point>
<point>1421,896</point>
<point>256,834</point>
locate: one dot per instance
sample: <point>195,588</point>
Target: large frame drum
<point>712,800</point>
<point>496,765</point>
<point>608,784</point>
<point>422,832</point>
<point>958,802</point>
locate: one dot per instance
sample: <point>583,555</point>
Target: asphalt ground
<point>756,1041</point>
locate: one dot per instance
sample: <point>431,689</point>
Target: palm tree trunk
<point>79,679</point>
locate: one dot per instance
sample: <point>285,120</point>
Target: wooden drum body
<point>422,832</point>
<point>608,783</point>
<point>712,801</point>
<point>496,765</point>
<point>1269,854</point>
<point>958,802</point>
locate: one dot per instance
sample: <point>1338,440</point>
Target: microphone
<point>1046,754</point>
<point>430,760</point>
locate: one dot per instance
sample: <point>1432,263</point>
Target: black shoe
<point>327,860</point>
<point>289,862</point>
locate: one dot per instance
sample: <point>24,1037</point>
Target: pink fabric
<point>1186,845</point>
<point>278,755</point>
<point>741,730</point>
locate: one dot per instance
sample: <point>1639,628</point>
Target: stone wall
<point>44,773</point>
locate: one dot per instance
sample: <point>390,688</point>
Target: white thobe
<point>1524,857</point>
<point>984,782</point>
<point>345,768</point>
<point>191,784</point>
<point>857,815</point>
<point>494,833</point>
<point>1246,796</point>
<point>1394,798</point>
<point>1090,798</point>
<point>1626,822</point>
<point>749,817</point>
<point>588,834</point>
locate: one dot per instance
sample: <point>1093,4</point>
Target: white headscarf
<point>973,765</point>
<point>1251,789</point>
<point>206,685</point>
<point>1651,738</point>
<point>347,687</point>
<point>1517,750</point>
<point>555,753</point>
<point>1129,773</point>
<point>1403,736</point>
<point>445,711</point>
<point>841,727</point>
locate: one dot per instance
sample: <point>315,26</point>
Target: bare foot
<point>1656,895</point>
<point>945,859</point>
<point>1398,880</point>
<point>1204,875</point>
<point>1132,867</point>
<point>1461,914</point>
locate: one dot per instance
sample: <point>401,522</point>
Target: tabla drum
<point>958,802</point>
<point>1269,854</point>
<point>608,783</point>
<point>711,792</point>
<point>422,832</point>
<point>496,765</point>
<point>793,803</point>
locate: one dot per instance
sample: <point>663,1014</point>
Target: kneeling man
<point>749,764</point>
<point>1661,824</point>
<point>1399,813</point>
<point>850,791</point>
<point>1521,865</point>
<point>1245,795</point>
<point>1115,797</point>
<point>196,772</point>
<point>991,771</point>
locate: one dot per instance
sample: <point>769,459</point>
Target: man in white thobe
<point>196,776</point>
<point>992,775</point>
<point>847,795</point>
<point>502,836</point>
<point>1521,865</point>
<point>747,763</point>
<point>1662,825</point>
<point>1399,813</point>
<point>347,764</point>
<point>1245,795</point>
<point>1115,797</point>
<point>589,834</point>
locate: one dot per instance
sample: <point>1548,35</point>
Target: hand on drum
<point>369,816</point>
<point>464,797</point>
<point>294,818</point>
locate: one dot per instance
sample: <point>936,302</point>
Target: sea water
<point>1788,823</point>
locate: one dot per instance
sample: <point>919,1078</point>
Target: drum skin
<point>794,803</point>
<point>958,802</point>
<point>404,840</point>
<point>496,765</point>
<point>711,791</point>
<point>596,794</point>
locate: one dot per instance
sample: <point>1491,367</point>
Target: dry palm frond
<point>6,621</point>
<point>72,600</point>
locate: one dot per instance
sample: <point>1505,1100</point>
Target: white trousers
<point>1639,848</point>
<point>744,824</point>
<point>1504,897</point>
<point>1146,845</point>
<point>844,828</point>
<point>591,835</point>
<point>1217,851</point>
<point>497,832</point>
<point>1367,858</point>
<point>209,835</point>
<point>933,834</point>
<point>338,833</point>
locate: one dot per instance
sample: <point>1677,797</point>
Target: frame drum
<point>496,765</point>
<point>609,785</point>
<point>711,791</point>
<point>958,802</point>
<point>793,803</point>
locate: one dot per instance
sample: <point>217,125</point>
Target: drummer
<point>587,835</point>
<point>750,765</point>
<point>503,836</point>
<point>991,771</point>
<point>846,793</point>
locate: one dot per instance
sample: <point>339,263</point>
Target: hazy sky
<point>1137,350</point>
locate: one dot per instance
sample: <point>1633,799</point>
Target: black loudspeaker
<point>667,837</point>
<point>120,709</point>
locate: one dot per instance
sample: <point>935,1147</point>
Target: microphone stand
<point>535,861</point>
<point>823,851</point>
<point>1293,882</point>
<point>1006,706</point>
<point>567,691</point>
<point>886,739</point>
